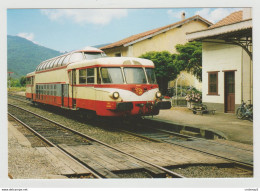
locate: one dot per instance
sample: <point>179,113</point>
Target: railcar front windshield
<point>150,75</point>
<point>94,55</point>
<point>135,76</point>
<point>112,76</point>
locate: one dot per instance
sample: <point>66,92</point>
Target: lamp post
<point>176,84</point>
<point>9,80</point>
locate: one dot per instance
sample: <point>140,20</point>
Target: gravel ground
<point>26,162</point>
<point>102,132</point>
<point>212,172</point>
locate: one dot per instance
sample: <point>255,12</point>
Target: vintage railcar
<point>91,83</point>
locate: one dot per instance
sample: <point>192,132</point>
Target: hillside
<point>23,55</point>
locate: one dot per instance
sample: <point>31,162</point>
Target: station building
<point>227,68</point>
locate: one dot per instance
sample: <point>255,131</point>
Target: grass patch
<point>16,89</point>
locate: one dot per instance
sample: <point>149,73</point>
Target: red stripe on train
<point>102,108</point>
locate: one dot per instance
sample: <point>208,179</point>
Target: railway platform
<point>223,124</point>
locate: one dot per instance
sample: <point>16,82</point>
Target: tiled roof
<point>152,32</point>
<point>232,18</point>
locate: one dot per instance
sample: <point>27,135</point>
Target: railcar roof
<point>65,59</point>
<point>30,74</point>
<point>120,61</point>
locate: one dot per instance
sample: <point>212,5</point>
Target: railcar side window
<point>98,77</point>
<point>135,76</point>
<point>112,76</point>
<point>90,76</point>
<point>150,75</point>
<point>74,77</point>
<point>82,76</point>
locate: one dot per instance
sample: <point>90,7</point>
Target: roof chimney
<point>247,13</point>
<point>182,16</point>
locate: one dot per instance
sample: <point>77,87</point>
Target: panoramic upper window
<point>55,63</point>
<point>49,64</point>
<point>66,60</point>
<point>44,65</point>
<point>77,56</point>
<point>41,65</point>
<point>60,61</point>
<point>112,76</point>
<point>135,76</point>
<point>94,55</point>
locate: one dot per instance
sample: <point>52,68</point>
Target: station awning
<point>239,33</point>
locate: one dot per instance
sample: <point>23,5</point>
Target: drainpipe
<point>251,82</point>
<point>242,76</point>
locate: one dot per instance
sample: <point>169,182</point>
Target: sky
<point>71,29</point>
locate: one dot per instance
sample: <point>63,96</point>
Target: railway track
<point>237,156</point>
<point>240,157</point>
<point>66,140</point>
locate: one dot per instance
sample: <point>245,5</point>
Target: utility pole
<point>9,80</point>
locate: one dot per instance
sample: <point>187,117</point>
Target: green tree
<point>189,58</point>
<point>23,81</point>
<point>15,83</point>
<point>165,70</point>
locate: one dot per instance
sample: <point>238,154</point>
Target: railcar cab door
<point>72,93</point>
<point>32,87</point>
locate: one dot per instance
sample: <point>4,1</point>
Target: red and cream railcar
<point>109,86</point>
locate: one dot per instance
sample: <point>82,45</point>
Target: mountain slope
<point>23,56</point>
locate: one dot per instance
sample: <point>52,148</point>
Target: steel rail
<point>175,175</point>
<point>238,163</point>
<point>195,138</point>
<point>53,145</point>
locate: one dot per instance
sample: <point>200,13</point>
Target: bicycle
<point>245,111</point>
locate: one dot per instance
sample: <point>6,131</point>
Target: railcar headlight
<point>158,94</point>
<point>115,95</point>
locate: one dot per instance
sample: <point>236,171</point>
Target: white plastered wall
<point>221,57</point>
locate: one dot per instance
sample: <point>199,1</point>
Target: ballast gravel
<point>22,164</point>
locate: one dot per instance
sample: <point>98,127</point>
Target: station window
<point>91,75</point>
<point>213,83</point>
<point>82,76</point>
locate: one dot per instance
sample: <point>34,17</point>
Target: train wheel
<point>90,115</point>
<point>87,115</point>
